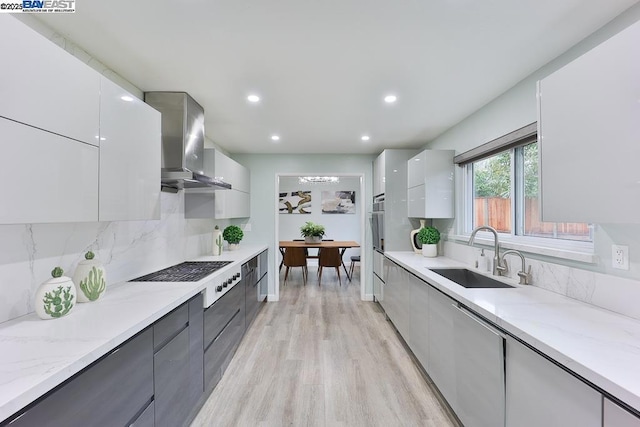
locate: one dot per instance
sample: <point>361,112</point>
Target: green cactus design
<point>58,302</point>
<point>219,243</point>
<point>93,285</point>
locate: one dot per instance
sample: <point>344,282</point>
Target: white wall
<point>128,249</point>
<point>516,108</point>
<point>264,193</point>
<point>337,226</point>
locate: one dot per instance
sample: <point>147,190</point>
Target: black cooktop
<point>190,271</point>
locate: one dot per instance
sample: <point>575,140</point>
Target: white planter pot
<point>313,239</point>
<point>234,246</point>
<point>430,251</point>
<point>55,298</point>
<point>90,280</point>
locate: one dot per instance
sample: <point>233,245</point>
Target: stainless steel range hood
<point>182,142</point>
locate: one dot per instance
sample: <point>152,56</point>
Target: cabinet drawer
<point>108,393</point>
<point>221,312</point>
<point>169,326</point>
<point>220,353</point>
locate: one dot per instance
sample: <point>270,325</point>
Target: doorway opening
<point>334,200</point>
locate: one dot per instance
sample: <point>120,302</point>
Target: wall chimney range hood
<point>182,142</point>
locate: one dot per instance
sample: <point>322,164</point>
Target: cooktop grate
<point>190,271</point>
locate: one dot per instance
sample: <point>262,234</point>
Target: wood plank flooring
<point>322,357</point>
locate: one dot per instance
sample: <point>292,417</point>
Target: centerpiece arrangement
<point>233,234</point>
<point>311,232</point>
<point>429,237</point>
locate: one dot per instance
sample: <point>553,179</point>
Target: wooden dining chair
<point>329,257</point>
<point>295,257</point>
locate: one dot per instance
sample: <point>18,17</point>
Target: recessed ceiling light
<point>275,138</point>
<point>365,137</point>
<point>253,98</point>
<point>390,99</point>
<point>126,98</point>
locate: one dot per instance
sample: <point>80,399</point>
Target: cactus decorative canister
<point>55,297</point>
<point>217,241</point>
<point>90,278</point>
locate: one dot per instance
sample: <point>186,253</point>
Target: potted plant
<point>429,237</point>
<point>311,232</point>
<point>232,234</point>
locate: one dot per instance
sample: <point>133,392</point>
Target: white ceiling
<point>322,68</point>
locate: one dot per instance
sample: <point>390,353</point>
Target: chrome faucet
<point>497,265</point>
<point>525,276</point>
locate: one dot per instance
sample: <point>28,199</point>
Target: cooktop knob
<point>219,289</point>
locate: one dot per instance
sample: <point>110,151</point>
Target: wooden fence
<point>496,212</point>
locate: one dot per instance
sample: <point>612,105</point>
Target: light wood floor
<point>322,357</point>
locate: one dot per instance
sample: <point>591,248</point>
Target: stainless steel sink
<point>469,279</point>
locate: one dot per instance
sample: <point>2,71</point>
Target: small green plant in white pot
<point>233,234</point>
<point>311,232</point>
<point>429,238</point>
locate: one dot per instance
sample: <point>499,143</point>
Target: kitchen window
<point>501,190</point>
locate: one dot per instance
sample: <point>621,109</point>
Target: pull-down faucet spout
<point>496,247</point>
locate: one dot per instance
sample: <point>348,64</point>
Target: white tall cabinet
<point>589,127</point>
<point>390,179</point>
<point>430,184</point>
<point>130,141</point>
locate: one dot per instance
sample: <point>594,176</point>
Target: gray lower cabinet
<point>441,364</point>
<point>146,418</point>
<point>540,393</point>
<point>171,375</point>
<point>177,364</point>
<point>479,364</point>
<point>112,392</point>
<point>396,297</point>
<point>224,326</point>
<point>419,319</point>
<point>615,416</point>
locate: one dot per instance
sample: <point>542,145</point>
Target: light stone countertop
<point>37,355</point>
<point>601,346</point>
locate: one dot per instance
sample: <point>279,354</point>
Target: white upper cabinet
<point>44,86</point>
<point>589,129</point>
<point>430,184</point>
<point>130,141</point>
<point>221,204</point>
<point>232,172</point>
<point>49,178</point>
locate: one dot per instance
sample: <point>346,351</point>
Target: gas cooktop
<point>190,271</point>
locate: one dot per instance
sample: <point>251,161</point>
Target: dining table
<point>343,245</point>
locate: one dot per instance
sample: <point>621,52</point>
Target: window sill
<point>573,251</point>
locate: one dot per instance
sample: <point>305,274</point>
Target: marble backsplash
<point>128,249</point>
<point>613,293</point>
